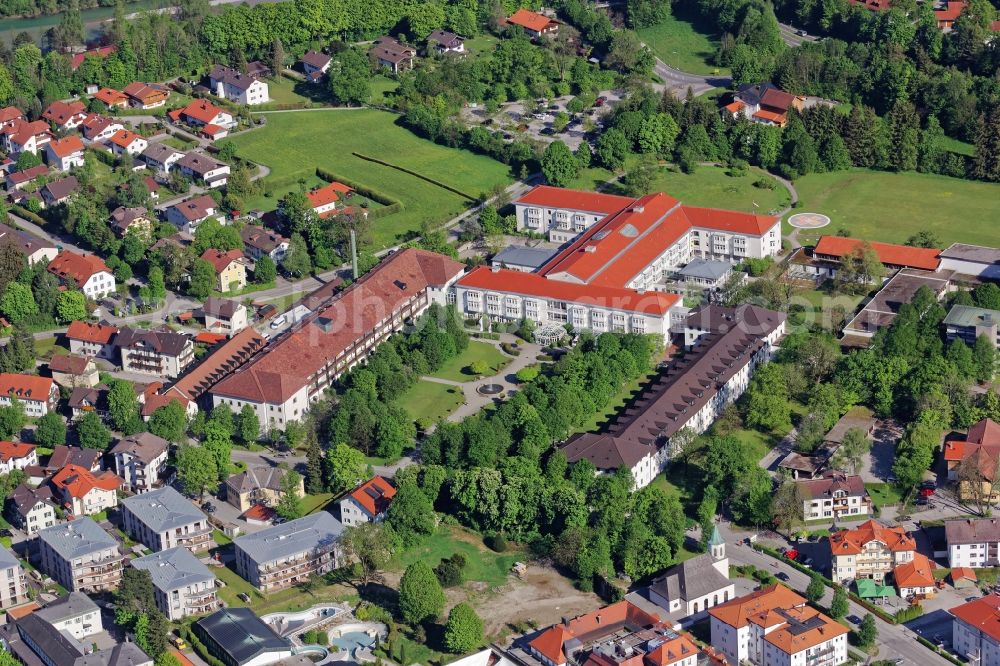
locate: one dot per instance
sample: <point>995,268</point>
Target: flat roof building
<point>237,637</point>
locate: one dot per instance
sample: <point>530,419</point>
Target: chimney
<point>495,268</point>
<point>590,248</point>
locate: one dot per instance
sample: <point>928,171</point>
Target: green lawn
<point>220,538</point>
<point>628,392</point>
<point>294,144</point>
<point>47,347</point>
<point>178,143</point>
<point>883,493</point>
<point>284,90</point>
<point>482,564</point>
<point>956,146</point>
<point>313,503</point>
<point>234,586</point>
<point>711,187</point>
<point>455,368</point>
<point>481,45</point>
<point>681,44</point>
<point>891,207</point>
<point>382,85</point>
<point>430,402</point>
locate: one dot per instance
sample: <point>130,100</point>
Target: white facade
<point>40,516</point>
<point>822,508</point>
<point>828,653</point>
<point>94,501</point>
<point>272,415</point>
<point>134,147</point>
<point>255,93</point>
<point>74,159</point>
<point>139,475</point>
<point>973,555</point>
<point>560,224</point>
<point>13,590</point>
<point>8,466</point>
<point>98,285</point>
<point>34,408</point>
<point>875,561</point>
<point>969,642</point>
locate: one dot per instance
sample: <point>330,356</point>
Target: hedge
<point>389,205</point>
<point>21,211</point>
<point>910,613</point>
<point>944,653</point>
<point>417,174</point>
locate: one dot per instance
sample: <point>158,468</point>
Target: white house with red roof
<point>126,142</point>
<point>37,394</point>
<point>188,214</point>
<point>324,200</point>
<point>111,98</point>
<point>21,136</point>
<point>96,127</point>
<point>201,112</point>
<point>10,115</point>
<point>87,272</point>
<point>66,115</point>
<point>533,23</point>
<point>84,492</point>
<point>367,503</point>
<point>65,153</point>
<point>89,339</point>
<point>16,455</point>
<point>975,630</point>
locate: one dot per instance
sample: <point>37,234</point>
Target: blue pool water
<point>353,640</point>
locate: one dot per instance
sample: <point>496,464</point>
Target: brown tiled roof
<point>166,342</point>
<point>145,446</point>
<point>195,208</point>
<point>73,455</point>
<point>69,363</point>
<point>122,218</point>
<point>292,361</point>
<point>62,112</point>
<point>256,477</point>
<point>972,530</point>
<point>831,483</point>
<point>221,363</point>
<point>220,260</point>
<point>260,238</point>
<point>60,189</point>
<point>24,497</point>
<point>221,308</point>
<point>315,58</point>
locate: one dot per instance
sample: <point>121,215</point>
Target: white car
<point>278,322</point>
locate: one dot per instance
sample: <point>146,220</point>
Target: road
<point>678,82</point>
<point>790,35</point>
<point>895,640</point>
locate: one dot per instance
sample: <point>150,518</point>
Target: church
<point>690,588</point>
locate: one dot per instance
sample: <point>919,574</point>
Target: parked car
<point>808,561</point>
<point>928,484</point>
<point>244,597</point>
<point>926,492</point>
<point>854,619</point>
<point>922,501</point>
<point>279,322</point>
<point>801,33</point>
<point>547,131</point>
<point>208,507</point>
<point>792,554</point>
<point>782,576</point>
<point>600,101</point>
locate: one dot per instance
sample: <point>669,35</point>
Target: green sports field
<point>294,144</point>
<point>891,207</point>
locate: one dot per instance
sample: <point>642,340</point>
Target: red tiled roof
<point>531,20</point>
<point>590,627</point>
<point>110,96</point>
<point>535,285</point>
<point>11,450</point>
<point>734,107</point>
<point>258,512</point>
<point>124,138</point>
<point>918,572</point>
<point>88,332</point>
<point>94,124</point>
<point>26,387</point>
<point>959,573</point>
<point>852,542</point>
<point>66,146</point>
<point>23,611</point>
<point>771,116</point>
<point>211,129</point>
<point>61,112</point>
<point>10,114</point>
<point>102,52</point>
<point>77,266</point>
<point>327,194</point>
<point>888,253</point>
<point>559,197</point>
<point>219,259</point>
<point>209,338</point>
<point>951,12</point>
<point>201,110</point>
<point>374,495</point>
<point>77,481</point>
<point>293,360</point>
<point>738,612</point>
<point>982,614</point>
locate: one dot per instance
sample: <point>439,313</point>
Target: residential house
<point>34,248</point>
<point>534,24</point>
<point>967,323</point>
<point>36,394</point>
<point>260,242</point>
<point>75,455</point>
<point>160,157</point>
<point>22,136</point>
<point>160,352</point>
<point>112,98</point>
<point>16,455</point>
<point>691,588</point>
<point>89,339</point>
<point>763,103</point>
<point>204,169</point>
<point>230,268</point>
<point>65,115</point>
<point>31,509</point>
<point>164,519</point>
<point>59,192</point>
<point>84,400</point>
<point>947,15</point>
<point>915,578</point>
<point>775,627</point>
<point>979,454</point>
<point>323,200</point>
<point>975,630</point>
<point>243,89</point>
<point>99,52</point>
<point>146,95</point>
<point>201,113</point>
<point>443,41</point>
<point>32,640</point>
<point>237,637</point>
<point>18,180</point>
<point>315,64</point>
<point>65,153</point>
<point>100,128</point>
<point>393,55</point>
<point>81,556</point>
<point>10,115</point>
<point>13,589</point>
<point>287,554</point>
<point>72,371</point>
<point>76,614</point>
<point>690,395</point>
<point>190,213</point>
<point>85,493</point>
<point>256,485</point>
<point>973,543</point>
<point>281,384</point>
<point>141,460</point>
<point>367,503</point>
<point>86,272</point>
<point>132,220</point>
<point>127,142</point>
<point>182,585</point>
<point>870,550</point>
<point>226,316</point>
<point>259,69</point>
<point>834,496</point>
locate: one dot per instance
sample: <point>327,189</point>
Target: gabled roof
<point>195,208</point>
<point>578,200</point>
<point>14,450</point>
<point>982,614</point>
<point>327,194</point>
<point>28,175</point>
<point>888,253</point>
<point>161,341</point>
<point>201,110</point>
<point>101,52</point>
<point>315,59</point>
<point>832,483</point>
<point>60,189</point>
<point>62,112</point>
<point>448,40</point>
<point>220,260</point>
<point>69,363</point>
<point>231,77</point>
<point>256,477</point>
<point>691,579</point>
<point>918,572</point>
<point>221,308</point>
<point>852,542</point>
<point>24,498</point>
<point>77,481</point>
<point>89,332</point>
<point>558,639</point>
<point>144,446</point>
<point>9,114</point>
<point>972,530</point>
<point>804,628</point>
<point>26,242</point>
<point>199,163</point>
<point>374,495</point>
<point>161,152</point>
<point>242,635</point>
<point>79,267</point>
<point>756,605</point>
<point>141,91</point>
<point>25,387</point>
<point>66,146</point>
<point>260,238</point>
<point>125,138</point>
<point>526,18</point>
<point>74,455</point>
<point>110,96</point>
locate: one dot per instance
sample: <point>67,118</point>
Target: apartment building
<point>141,460</point>
<point>367,503</point>
<point>13,590</point>
<point>833,496</point>
<point>76,614</point>
<point>38,395</point>
<point>283,555</point>
<point>164,519</point>
<point>282,384</point>
<point>87,339</point>
<point>162,353</point>
<point>967,323</point>
<point>870,550</point>
<point>775,627</point>
<point>31,509</point>
<point>183,585</point>
<point>975,630</point>
<point>691,393</point>
<point>81,556</point>
<point>973,543</point>
<point>85,272</point>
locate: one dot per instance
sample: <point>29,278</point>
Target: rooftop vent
<point>400,284</point>
<point>590,248</point>
<point>629,231</point>
<point>324,324</point>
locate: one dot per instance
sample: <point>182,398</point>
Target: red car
<point>926,492</point>
<point>600,101</point>
<point>792,554</point>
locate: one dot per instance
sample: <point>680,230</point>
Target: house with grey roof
<point>164,519</point>
<point>705,273</point>
<point>76,614</point>
<point>183,585</point>
<point>237,637</point>
<point>121,654</point>
<point>13,591</point>
<point>690,588</point>
<point>161,157</point>
<point>256,485</point>
<point>286,554</point>
<point>81,556</point>
<point>141,460</point>
<point>522,258</point>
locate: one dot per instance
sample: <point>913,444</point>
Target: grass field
<point>313,503</point>
<point>381,85</point>
<point>711,187</point>
<point>430,401</point>
<point>956,146</point>
<point>293,145</point>
<point>681,44</point>
<point>883,493</point>
<point>629,391</point>
<point>891,207</point>
<point>455,368</point>
<point>482,564</point>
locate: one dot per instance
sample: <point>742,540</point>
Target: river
<point>92,19</point>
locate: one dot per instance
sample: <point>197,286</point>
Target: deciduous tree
<point>420,595</point>
<point>464,630</point>
<point>92,432</point>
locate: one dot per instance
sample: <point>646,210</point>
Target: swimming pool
<point>353,640</point>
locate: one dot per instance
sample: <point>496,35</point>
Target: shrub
<point>527,374</point>
<point>910,613</point>
<point>451,571</point>
<point>765,184</point>
<point>496,542</point>
<point>369,612</point>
